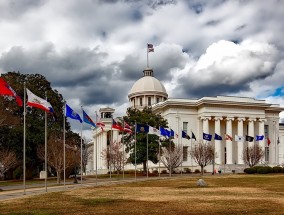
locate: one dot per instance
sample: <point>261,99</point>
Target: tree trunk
<point>58,177</point>
<point>202,170</point>
<point>145,167</point>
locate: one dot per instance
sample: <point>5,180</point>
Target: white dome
<point>148,84</point>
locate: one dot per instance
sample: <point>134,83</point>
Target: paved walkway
<point>17,191</point>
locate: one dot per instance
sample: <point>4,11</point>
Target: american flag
<point>150,47</point>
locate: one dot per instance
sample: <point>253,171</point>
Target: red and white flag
<point>115,125</point>
<point>7,90</point>
<point>127,128</point>
<point>228,137</point>
<point>35,101</point>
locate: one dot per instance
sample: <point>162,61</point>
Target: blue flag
<point>258,138</point>
<point>207,136</point>
<point>142,128</point>
<point>88,119</point>
<point>165,132</point>
<point>172,133</point>
<point>185,135</point>
<point>72,114</point>
<point>193,136</point>
<point>217,137</point>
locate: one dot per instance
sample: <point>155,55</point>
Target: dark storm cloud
<point>15,9</point>
<point>72,69</point>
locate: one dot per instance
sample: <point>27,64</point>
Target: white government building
<point>221,115</point>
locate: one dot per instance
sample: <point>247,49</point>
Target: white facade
<point>221,115</point>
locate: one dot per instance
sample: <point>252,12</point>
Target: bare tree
<point>55,157</point>
<point>8,160</point>
<point>172,157</point>
<point>114,156</point>
<point>87,154</point>
<point>252,155</point>
<point>203,154</point>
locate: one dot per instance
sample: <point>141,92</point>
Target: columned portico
<point>240,143</point>
<point>205,123</point>
<point>261,132</point>
<point>251,130</point>
<point>229,143</point>
<point>218,143</point>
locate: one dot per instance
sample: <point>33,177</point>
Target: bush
<point>197,171</point>
<point>187,170</point>
<point>164,171</point>
<point>18,173</point>
<point>277,169</point>
<point>155,172</point>
<point>264,170</point>
<point>250,170</point>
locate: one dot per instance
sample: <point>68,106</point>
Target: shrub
<point>250,170</point>
<point>277,169</point>
<point>164,171</point>
<point>265,170</point>
<point>187,170</point>
<point>17,174</point>
<point>155,172</point>
<point>197,171</point>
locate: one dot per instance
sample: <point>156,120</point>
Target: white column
<point>205,123</point>
<point>229,143</point>
<point>218,143</point>
<point>261,132</point>
<point>240,143</point>
<point>251,130</point>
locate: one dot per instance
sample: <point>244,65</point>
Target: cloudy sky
<point>92,51</point>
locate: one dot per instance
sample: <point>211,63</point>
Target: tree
<point>252,155</point>
<point>114,156</point>
<point>55,153</point>
<point>87,153</point>
<point>8,160</point>
<point>146,116</point>
<point>11,131</point>
<point>203,154</point>
<point>172,156</point>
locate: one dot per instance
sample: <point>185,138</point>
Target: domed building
<point>147,91</point>
<point>229,117</point>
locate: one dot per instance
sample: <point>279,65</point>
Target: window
<point>266,154</point>
<point>266,130</point>
<point>141,103</point>
<point>158,100</point>
<point>149,101</point>
<point>134,102</point>
<point>184,126</point>
<point>185,153</point>
<point>225,150</point>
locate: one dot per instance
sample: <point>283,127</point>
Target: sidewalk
<point>17,191</point>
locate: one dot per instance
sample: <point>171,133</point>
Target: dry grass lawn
<point>225,194</point>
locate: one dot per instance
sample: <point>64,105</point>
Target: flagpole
<point>96,150</point>
<point>24,142</point>
<point>147,156</point>
<point>159,155</point>
<point>147,56</point>
<point>64,176</point>
<point>135,151</point>
<point>123,150</point>
<point>81,152</point>
<point>170,160</point>
<point>110,144</point>
<point>45,144</point>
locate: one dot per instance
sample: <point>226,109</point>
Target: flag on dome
<point>37,102</point>
<point>150,47</point>
<point>7,90</point>
<point>88,119</point>
<point>69,112</point>
<point>207,137</point>
<point>217,137</point>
